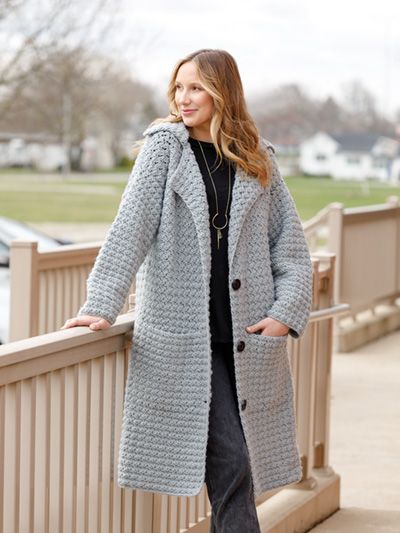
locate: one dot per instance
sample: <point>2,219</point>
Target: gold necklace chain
<point>219,232</point>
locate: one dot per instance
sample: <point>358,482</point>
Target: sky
<point>322,46</point>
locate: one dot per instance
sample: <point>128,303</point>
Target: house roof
<point>356,142</point>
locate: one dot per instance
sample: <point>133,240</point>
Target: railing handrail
<point>329,312</point>
<point>320,217</point>
<point>51,344</point>
<point>66,255</point>
<point>373,208</point>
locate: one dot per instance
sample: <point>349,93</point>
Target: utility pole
<point>66,131</point>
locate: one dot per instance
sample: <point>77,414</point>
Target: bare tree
<point>360,106</point>
<point>361,112</point>
<point>330,116</point>
<point>32,30</point>
<point>286,114</point>
<point>78,93</point>
<point>7,7</point>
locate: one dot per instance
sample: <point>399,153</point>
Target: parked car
<point>10,230</point>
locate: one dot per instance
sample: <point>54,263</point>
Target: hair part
<point>232,129</point>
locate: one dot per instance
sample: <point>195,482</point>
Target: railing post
<point>304,366</point>
<point>24,290</point>
<point>335,241</point>
<point>394,201</point>
<point>324,351</point>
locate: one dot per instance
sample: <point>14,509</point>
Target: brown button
<point>236,284</point>
<point>243,404</point>
<point>240,346</point>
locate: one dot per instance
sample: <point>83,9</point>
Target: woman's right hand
<point>94,322</point>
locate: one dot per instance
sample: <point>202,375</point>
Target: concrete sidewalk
<point>365,438</point>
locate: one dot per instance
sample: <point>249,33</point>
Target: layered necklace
<point>218,228</point>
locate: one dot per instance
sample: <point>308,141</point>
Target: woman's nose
<point>184,98</point>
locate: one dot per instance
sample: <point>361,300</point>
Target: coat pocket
<point>267,379</point>
<point>168,371</point>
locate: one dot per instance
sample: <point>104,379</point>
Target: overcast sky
<point>320,45</point>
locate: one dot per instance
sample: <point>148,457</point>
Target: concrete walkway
<point>78,233</point>
<point>365,438</point>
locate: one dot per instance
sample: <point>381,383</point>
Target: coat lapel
<point>245,192</point>
<point>188,182</point>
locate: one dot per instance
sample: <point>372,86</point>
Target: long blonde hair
<point>232,129</point>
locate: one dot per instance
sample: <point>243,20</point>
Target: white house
<point>31,150</point>
<point>288,155</point>
<point>44,152</point>
<point>351,156</point>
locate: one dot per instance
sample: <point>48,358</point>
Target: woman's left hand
<point>269,326</point>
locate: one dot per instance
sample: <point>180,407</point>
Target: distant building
<point>45,152</point>
<point>356,156</point>
<point>31,150</point>
<point>288,155</point>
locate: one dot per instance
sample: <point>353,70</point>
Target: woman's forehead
<point>188,71</point>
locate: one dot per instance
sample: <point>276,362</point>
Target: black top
<point>220,310</point>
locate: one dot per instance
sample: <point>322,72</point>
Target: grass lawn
<point>53,207</point>
<point>77,201</point>
<point>312,194</point>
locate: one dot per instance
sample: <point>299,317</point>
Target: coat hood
<point>176,128</point>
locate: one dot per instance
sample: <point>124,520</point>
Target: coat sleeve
<point>131,233</point>
<point>290,257</point>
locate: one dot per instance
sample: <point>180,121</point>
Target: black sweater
<point>220,310</point>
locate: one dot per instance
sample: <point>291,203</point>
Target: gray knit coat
<point>161,235</point>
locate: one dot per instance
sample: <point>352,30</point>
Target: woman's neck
<point>200,135</point>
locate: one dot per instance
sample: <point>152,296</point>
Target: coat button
<point>236,284</point>
<point>243,404</point>
<point>240,346</point>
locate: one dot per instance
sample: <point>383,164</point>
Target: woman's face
<point>191,96</point>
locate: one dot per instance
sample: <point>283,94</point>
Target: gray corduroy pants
<point>228,474</point>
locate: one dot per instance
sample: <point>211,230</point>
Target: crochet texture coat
<point>161,234</point>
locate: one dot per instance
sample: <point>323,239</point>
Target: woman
<point>223,276</point>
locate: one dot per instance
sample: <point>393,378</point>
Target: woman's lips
<point>188,111</point>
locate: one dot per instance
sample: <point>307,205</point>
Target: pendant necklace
<point>219,229</point>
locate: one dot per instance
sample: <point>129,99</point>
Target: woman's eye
<point>178,87</point>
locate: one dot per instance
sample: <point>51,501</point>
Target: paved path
<point>365,438</point>
<point>78,233</point>
<point>356,520</point>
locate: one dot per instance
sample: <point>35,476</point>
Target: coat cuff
<point>295,330</point>
<point>105,312</point>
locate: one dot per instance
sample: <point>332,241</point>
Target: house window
<point>379,163</point>
<point>320,157</point>
<point>352,160</point>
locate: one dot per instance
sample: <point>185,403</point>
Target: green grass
<point>312,194</point>
<point>35,171</point>
<point>51,207</point>
<point>38,205</point>
<point>17,170</point>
